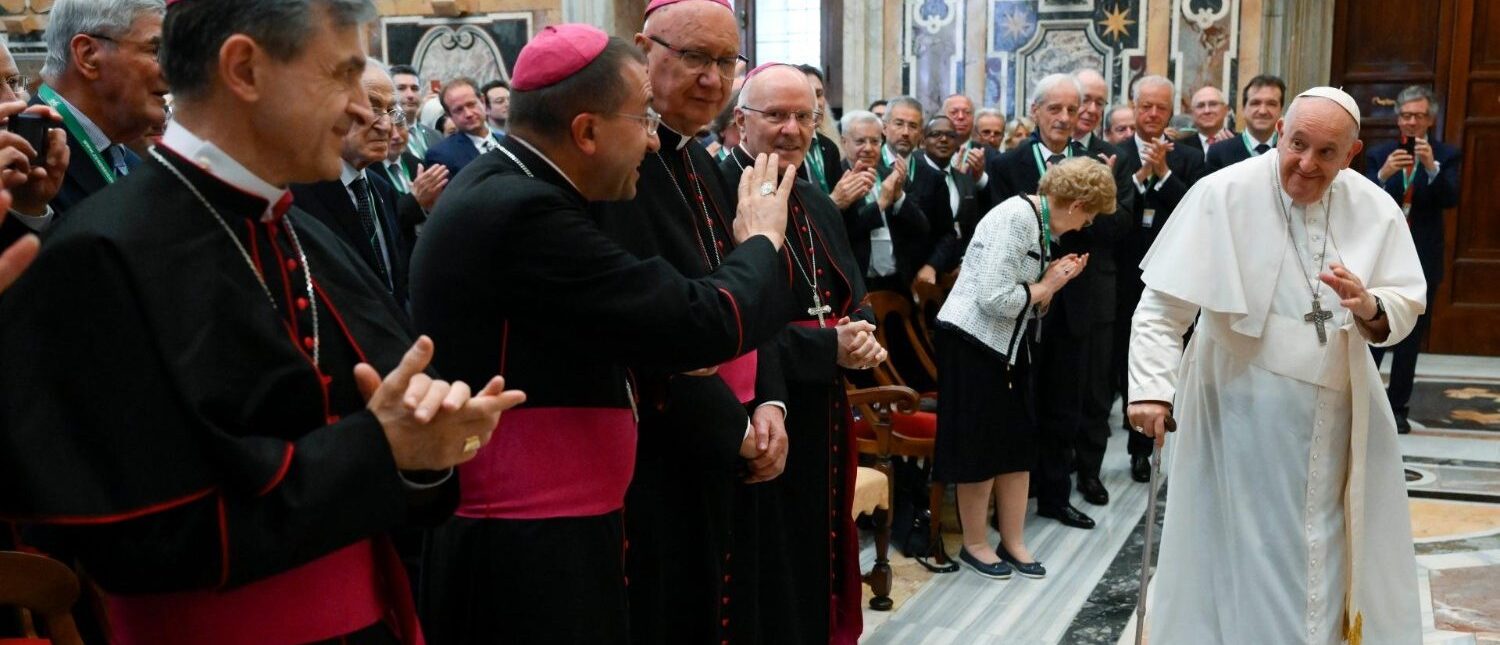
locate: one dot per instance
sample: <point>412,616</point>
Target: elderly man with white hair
<point>103,76</point>
<point>1287,519</point>
<point>1210,110</point>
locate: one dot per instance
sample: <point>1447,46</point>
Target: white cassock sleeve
<point>1156,333</point>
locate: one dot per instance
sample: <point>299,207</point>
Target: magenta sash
<point>337,594</point>
<point>739,375</point>
<point>551,462</point>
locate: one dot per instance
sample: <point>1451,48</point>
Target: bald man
<point>1210,110</point>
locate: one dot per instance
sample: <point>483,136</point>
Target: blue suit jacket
<point>1430,196</point>
<point>455,152</point>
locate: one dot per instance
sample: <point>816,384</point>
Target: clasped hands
<point>432,424</point>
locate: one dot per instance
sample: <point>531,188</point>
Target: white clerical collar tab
<point>214,161</point>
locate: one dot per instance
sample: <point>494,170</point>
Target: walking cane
<point>1140,603</point>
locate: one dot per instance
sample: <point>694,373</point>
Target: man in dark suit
<point>1210,121</point>
<point>1095,346</point>
<point>417,186</point>
<point>360,206</point>
<point>103,78</point>
<point>410,93</point>
<point>1263,98</point>
<point>824,166</point>
<point>949,198</point>
<point>887,230</point>
<point>1424,181</point>
<point>466,106</point>
<point>1161,174</point>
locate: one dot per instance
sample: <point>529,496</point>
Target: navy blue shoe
<point>1033,570</point>
<point>996,571</point>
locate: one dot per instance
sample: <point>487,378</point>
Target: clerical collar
<point>682,141</point>
<point>539,153</point>
<point>214,161</point>
<point>350,173</point>
<point>96,135</point>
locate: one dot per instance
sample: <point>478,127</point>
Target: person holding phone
<point>33,160</point>
<point>1422,176</point>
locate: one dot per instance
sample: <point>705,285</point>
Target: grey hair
<point>1109,113</point>
<point>1052,82</point>
<point>1417,93</point>
<point>69,18</point>
<point>856,117</point>
<point>1148,81</point>
<point>1222,97</point>
<point>906,101</point>
<point>989,111</point>
<point>375,63</point>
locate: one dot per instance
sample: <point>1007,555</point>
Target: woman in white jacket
<point>987,434</point>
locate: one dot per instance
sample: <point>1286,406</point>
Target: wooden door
<point>1382,46</point>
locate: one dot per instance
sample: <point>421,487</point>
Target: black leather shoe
<point>1093,491</point>
<point>997,571</point>
<point>1033,570</point>
<point>1402,425</point>
<point>1067,515</point>
<point>1140,468</point>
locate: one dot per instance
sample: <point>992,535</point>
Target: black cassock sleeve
<point>96,419</point>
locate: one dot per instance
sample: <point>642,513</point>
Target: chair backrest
<point>894,310</point>
<point>930,298</point>
<point>46,588</point>
<point>876,405</point>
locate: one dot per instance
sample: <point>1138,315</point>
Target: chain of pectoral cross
<point>1319,316</point>
<point>713,240</point>
<point>819,308</point>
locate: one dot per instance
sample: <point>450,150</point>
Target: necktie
<point>1262,148</point>
<point>117,159</point>
<point>403,183</point>
<point>366,210</point>
<point>1055,159</point>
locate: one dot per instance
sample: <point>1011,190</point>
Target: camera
<point>33,128</point>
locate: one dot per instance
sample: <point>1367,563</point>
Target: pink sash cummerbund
<point>337,594</point>
<point>551,462</point>
<point>739,375</point>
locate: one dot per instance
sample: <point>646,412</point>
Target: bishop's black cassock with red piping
<point>808,585</point>
<point>512,274</point>
<point>166,426</point>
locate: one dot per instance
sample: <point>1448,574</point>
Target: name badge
<point>1148,217</point>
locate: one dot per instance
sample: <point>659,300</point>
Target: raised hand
<point>894,184</point>
<point>857,347</point>
<point>432,424</point>
<point>20,254</point>
<point>1350,289</point>
<point>429,185</point>
<point>852,187</point>
<point>762,206</point>
<point>974,163</point>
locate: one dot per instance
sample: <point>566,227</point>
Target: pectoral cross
<point>820,310</point>
<point>1318,316</point>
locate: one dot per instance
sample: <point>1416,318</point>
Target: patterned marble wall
<point>1024,40</point>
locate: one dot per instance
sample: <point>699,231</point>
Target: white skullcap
<point>1337,96</point>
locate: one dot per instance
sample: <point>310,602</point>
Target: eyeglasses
<point>1404,116</point>
<point>942,134</point>
<point>151,48</point>
<point>697,61</point>
<point>651,120</point>
<point>778,117</point>
<point>395,114</point>
<point>1202,105</point>
<point>18,84</point>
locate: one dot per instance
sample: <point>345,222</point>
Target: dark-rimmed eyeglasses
<point>18,84</point>
<point>151,48</point>
<point>778,117</point>
<point>697,61</point>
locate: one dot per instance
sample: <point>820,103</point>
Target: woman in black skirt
<point>987,436</point>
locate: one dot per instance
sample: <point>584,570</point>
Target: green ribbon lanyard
<point>403,183</point>
<point>890,161</point>
<point>1041,165</point>
<point>815,165</point>
<point>75,130</point>
<point>1245,138</point>
<point>420,141</point>
<point>1046,236</point>
<point>1408,176</point>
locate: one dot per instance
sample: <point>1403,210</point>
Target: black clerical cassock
<point>808,585</point>
<point>180,414</point>
<point>513,274</point>
<point>679,508</point>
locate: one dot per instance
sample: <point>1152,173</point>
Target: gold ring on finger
<point>471,444</point>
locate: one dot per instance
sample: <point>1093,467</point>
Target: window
<point>789,31</point>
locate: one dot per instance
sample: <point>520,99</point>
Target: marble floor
<point>1090,592</point>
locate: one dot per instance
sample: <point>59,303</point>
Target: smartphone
<point>1409,144</point>
<point>33,128</point>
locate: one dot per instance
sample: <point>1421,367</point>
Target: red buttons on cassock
<point>291,265</point>
<point>307,342</point>
<point>302,304</point>
<point>332,419</point>
<point>820,272</point>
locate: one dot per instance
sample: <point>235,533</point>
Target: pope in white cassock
<point>1286,520</point>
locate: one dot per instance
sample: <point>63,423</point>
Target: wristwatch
<point>1379,310</point>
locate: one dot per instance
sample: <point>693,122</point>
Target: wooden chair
<point>889,426</point>
<point>40,587</point>
<point>872,496</point>
<point>930,298</point>
<point>891,307</point>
